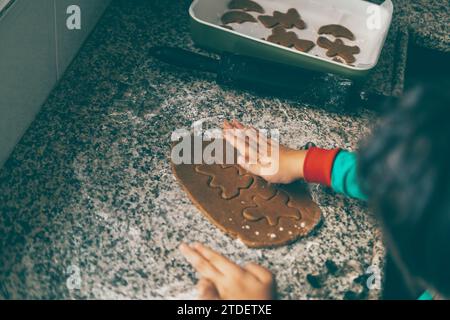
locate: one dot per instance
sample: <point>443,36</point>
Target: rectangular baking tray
<point>369,22</point>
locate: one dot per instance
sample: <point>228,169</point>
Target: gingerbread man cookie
<point>338,48</point>
<point>289,39</point>
<point>282,37</point>
<point>304,45</point>
<point>287,20</point>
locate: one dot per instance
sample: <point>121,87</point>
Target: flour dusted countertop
<point>90,207</point>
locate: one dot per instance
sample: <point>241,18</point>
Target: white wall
<point>35,49</point>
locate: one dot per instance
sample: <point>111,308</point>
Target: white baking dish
<point>369,22</point>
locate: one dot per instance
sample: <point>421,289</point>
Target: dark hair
<point>404,169</point>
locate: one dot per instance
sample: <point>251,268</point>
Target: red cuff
<point>318,165</point>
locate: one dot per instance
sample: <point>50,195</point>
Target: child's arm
<point>290,161</point>
<point>334,168</point>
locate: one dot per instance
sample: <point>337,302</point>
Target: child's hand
<point>223,279</point>
<point>290,166</point>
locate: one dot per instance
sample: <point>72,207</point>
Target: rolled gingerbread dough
<point>246,207</point>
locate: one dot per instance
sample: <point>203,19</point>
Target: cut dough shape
<point>287,20</point>
<point>282,37</point>
<point>296,217</point>
<point>338,48</point>
<point>289,39</point>
<point>246,5</point>
<point>271,210</point>
<point>338,31</point>
<point>259,187</point>
<point>237,17</point>
<point>304,45</point>
<point>225,177</point>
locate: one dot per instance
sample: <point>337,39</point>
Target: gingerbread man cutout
<point>271,210</point>
<point>338,48</point>
<point>289,39</point>
<point>227,178</point>
<point>287,20</point>
<point>259,187</point>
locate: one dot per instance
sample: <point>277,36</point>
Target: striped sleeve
<point>334,168</point>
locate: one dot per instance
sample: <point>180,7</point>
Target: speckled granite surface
<point>424,23</point>
<point>429,23</point>
<point>89,205</point>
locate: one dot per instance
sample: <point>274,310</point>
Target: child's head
<point>405,171</point>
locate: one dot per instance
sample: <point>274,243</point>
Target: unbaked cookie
<point>287,20</point>
<point>338,31</point>
<point>338,48</point>
<point>289,39</point>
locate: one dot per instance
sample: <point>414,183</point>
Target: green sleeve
<point>344,177</point>
<point>425,296</point>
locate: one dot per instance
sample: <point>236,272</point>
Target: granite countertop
<point>428,23</point>
<point>91,209</point>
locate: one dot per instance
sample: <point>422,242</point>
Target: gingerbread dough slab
<point>245,206</point>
